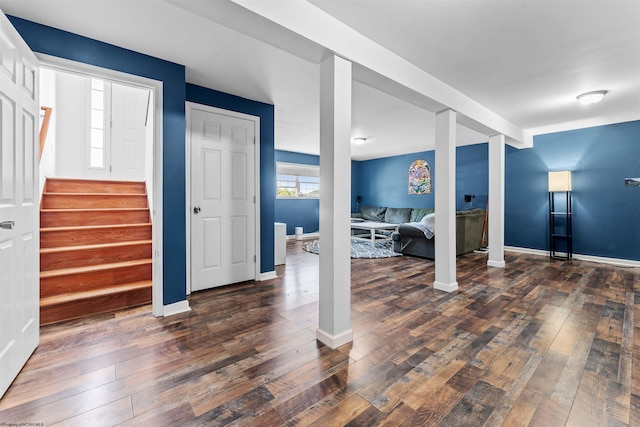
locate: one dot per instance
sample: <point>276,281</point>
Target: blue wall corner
<point>229,102</point>
<point>51,41</point>
<point>303,213</point>
<point>306,212</point>
<point>606,213</point>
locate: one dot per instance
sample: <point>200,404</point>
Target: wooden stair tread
<point>47,193</point>
<point>98,181</point>
<point>73,296</point>
<point>94,246</point>
<point>56,210</point>
<point>92,227</point>
<point>91,268</point>
<point>75,185</point>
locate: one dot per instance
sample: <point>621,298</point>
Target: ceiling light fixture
<point>591,97</point>
<point>359,141</point>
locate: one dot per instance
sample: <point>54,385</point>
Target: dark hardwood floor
<point>539,343</point>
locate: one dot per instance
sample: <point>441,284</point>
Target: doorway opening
<point>101,191</point>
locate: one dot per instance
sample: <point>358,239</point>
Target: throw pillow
<point>418,213</point>
<point>373,213</point>
<point>397,215</point>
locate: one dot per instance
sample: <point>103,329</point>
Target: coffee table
<point>375,229</point>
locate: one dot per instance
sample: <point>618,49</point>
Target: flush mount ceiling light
<point>591,97</point>
<point>359,141</point>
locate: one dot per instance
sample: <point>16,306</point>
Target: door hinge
<point>254,140</point>
<point>254,258</point>
<point>254,200</point>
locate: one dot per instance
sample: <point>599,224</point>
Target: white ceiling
<point>524,60</point>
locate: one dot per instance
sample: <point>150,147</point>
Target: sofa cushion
<point>397,215</point>
<point>373,213</point>
<point>418,213</point>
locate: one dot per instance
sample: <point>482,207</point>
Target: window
<point>297,181</point>
<point>96,149</point>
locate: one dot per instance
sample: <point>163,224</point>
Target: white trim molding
<point>447,287</point>
<point>498,264</point>
<point>334,341</point>
<point>268,275</point>
<point>590,258</point>
<point>176,308</point>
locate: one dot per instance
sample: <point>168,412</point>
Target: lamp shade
<point>560,181</point>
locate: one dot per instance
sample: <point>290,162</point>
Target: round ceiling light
<point>359,141</point>
<point>591,97</point>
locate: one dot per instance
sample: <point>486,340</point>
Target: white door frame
<point>256,161</point>
<point>68,66</point>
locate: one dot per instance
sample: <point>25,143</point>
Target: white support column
<point>445,202</point>
<point>496,201</point>
<point>335,230</point>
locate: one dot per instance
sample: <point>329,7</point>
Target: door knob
<point>7,225</point>
<point>196,210</point>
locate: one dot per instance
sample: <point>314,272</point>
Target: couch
<point>387,214</point>
<point>410,240</point>
<point>390,215</point>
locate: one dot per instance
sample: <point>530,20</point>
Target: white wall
<point>67,149</point>
<point>73,121</point>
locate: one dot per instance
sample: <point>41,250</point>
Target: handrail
<point>44,128</point>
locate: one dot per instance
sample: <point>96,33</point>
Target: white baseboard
<point>612,261</point>
<point>176,308</point>
<point>526,250</point>
<point>447,287</point>
<point>305,236</point>
<point>268,275</point>
<point>579,257</point>
<point>334,341</point>
<point>498,264</point>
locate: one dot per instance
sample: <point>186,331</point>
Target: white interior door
<point>223,208</point>
<point>128,132</point>
<point>19,233</point>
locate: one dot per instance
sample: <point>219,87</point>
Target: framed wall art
<point>420,177</point>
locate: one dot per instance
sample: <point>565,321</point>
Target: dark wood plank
<point>537,343</point>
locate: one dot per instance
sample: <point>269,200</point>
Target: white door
<point>223,209</point>
<point>116,124</point>
<point>19,234</point>
<point>128,132</point>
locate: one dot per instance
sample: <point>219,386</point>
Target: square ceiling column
<point>335,208</point>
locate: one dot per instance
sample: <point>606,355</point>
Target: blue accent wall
<point>606,213</point>
<point>229,102</point>
<point>384,182</point>
<point>355,185</point>
<point>51,41</point>
<point>306,212</point>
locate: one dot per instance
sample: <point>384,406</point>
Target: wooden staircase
<point>95,247</point>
